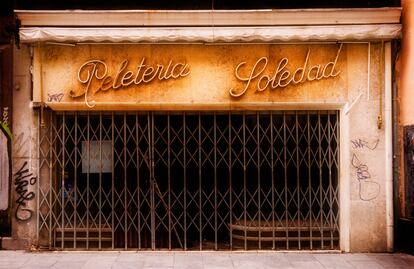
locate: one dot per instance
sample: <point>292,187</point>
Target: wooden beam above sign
<point>264,17</point>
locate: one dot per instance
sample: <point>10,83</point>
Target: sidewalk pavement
<point>201,260</point>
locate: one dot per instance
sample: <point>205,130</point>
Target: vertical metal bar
<point>62,182</point>
<point>152,189</point>
<point>39,133</point>
<point>169,180</point>
<point>138,180</point>
<point>113,181</point>
<point>330,179</point>
<point>51,187</point>
<point>100,183</point>
<point>185,181</point>
<point>258,178</point>
<point>298,189</point>
<point>286,186</point>
<point>215,180</point>
<point>88,147</point>
<point>75,213</point>
<point>230,164</point>
<point>125,183</point>
<point>320,177</point>
<point>200,206</point>
<point>273,179</point>
<point>310,183</point>
<point>337,156</point>
<point>244,182</point>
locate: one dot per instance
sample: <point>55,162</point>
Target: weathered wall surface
<point>367,159</point>
<point>24,164</point>
<point>353,86</point>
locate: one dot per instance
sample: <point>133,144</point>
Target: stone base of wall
<point>9,243</point>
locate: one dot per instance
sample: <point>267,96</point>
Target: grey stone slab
<point>366,264</point>
<point>68,265</point>
<point>307,264</point>
<point>161,267</point>
<point>337,265</point>
<point>188,262</point>
<point>76,257</point>
<point>157,261</point>
<point>409,259</point>
<point>333,261</point>
<point>15,262</point>
<point>127,265</point>
<point>217,261</point>
<point>34,266</point>
<point>188,266</point>
<point>129,254</point>
<point>95,263</point>
<point>218,267</point>
<point>249,264</point>
<point>391,261</point>
<point>43,261</point>
<point>201,260</point>
<point>130,258</point>
<point>352,256</point>
<point>305,257</point>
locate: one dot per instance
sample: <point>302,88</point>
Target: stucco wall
<point>24,153</point>
<point>367,159</point>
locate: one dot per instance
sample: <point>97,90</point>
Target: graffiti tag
<point>362,144</point>
<point>368,189</point>
<point>55,97</point>
<point>22,180</point>
<point>6,115</point>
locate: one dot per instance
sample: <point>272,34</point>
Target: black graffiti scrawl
<point>22,179</point>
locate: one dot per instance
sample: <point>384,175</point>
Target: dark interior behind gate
<point>146,180</point>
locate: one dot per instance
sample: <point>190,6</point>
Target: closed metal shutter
<point>183,180</point>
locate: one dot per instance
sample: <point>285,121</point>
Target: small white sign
<point>96,156</point>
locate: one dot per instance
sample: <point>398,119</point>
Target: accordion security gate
<point>149,180</point>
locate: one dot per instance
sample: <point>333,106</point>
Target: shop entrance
<point>191,181</point>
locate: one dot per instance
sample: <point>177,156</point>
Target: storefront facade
<point>228,137</point>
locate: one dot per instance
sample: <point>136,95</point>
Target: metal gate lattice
<point>262,180</point>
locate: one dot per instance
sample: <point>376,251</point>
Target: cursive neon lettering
<point>94,77</point>
<point>117,84</point>
<point>282,76</point>
<point>91,68</point>
<point>250,78</point>
<point>316,71</point>
<point>139,67</point>
<point>149,71</point>
<point>126,79</point>
<point>280,67</point>
<point>106,83</point>
<point>302,70</point>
